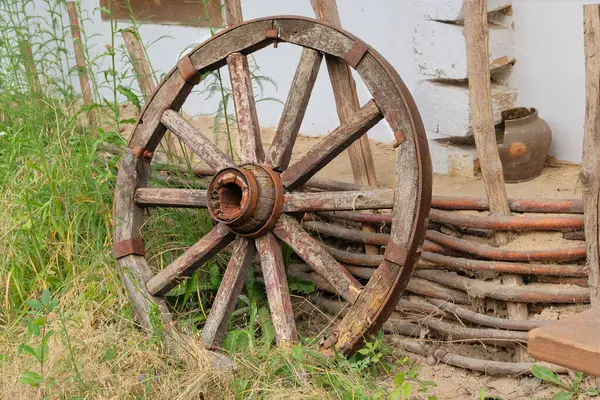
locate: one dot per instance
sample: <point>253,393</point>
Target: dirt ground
<point>556,181</point>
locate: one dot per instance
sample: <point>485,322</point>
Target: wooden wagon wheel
<point>253,204</point>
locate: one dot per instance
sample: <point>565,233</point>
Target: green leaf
<point>266,326</point>
<point>110,353</point>
<point>27,349</point>
<point>431,398</point>
<point>35,304</point>
<point>592,392</point>
<point>130,96</point>
<point>577,381</point>
<point>45,297</point>
<point>31,378</point>
<point>563,396</point>
<point>406,390</point>
<point>396,394</point>
<point>399,379</point>
<point>40,321</point>
<point>32,328</point>
<point>300,287</point>
<point>297,352</point>
<point>546,374</point>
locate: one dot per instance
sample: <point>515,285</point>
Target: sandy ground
<point>558,181</point>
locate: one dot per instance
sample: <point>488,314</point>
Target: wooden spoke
<point>245,109</point>
<point>184,198</point>
<point>338,201</point>
<point>229,290</point>
<point>194,257</point>
<point>315,255</point>
<point>331,146</point>
<point>202,146</point>
<point>273,270</point>
<point>282,145</point>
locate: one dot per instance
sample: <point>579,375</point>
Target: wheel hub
<point>248,198</point>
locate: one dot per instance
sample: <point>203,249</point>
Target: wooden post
<point>84,81</point>
<point>346,99</point>
<point>139,61</point>
<point>32,75</point>
<point>590,167</point>
<point>143,75</point>
<point>590,163</point>
<point>478,66</point>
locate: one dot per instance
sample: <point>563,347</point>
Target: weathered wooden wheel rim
<point>371,304</point>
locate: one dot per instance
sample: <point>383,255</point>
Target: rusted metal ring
<point>395,253</point>
<point>142,153</point>
<point>188,72</point>
<point>277,206</point>
<point>356,53</point>
<point>128,247</point>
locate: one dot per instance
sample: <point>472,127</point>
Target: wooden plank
<point>198,13</point>
<point>140,64</point>
<point>183,198</point>
<point>192,259</point>
<point>196,141</point>
<point>573,342</point>
<point>338,201</point>
<point>590,166</point>
<point>282,146</point>
<point>331,146</point>
<point>245,109</point>
<point>477,38</point>
<point>84,82</point>
<point>314,254</point>
<point>229,290</point>
<point>278,294</point>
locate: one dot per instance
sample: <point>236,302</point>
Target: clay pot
<point>525,145</point>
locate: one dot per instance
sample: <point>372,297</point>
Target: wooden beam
<point>480,89</point>
<point>140,64</point>
<point>346,99</point>
<point>84,81</point>
<point>32,75</point>
<point>590,165</point>
<point>573,342</point>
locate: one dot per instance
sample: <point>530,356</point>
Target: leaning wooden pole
<point>477,37</point>
<point>346,100</point>
<point>143,74</point>
<point>86,90</point>
<point>32,74</point>
<point>140,64</point>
